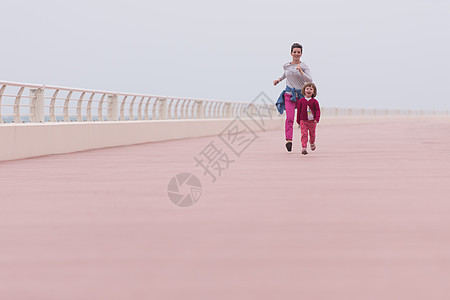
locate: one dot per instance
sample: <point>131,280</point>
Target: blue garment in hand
<point>296,95</point>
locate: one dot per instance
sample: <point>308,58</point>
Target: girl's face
<point>309,91</point>
<point>296,53</point>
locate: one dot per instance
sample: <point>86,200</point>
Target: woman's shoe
<point>304,152</point>
<point>289,146</point>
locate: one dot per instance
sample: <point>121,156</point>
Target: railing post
<point>273,111</point>
<point>37,105</point>
<point>200,109</point>
<point>162,113</point>
<point>227,113</point>
<point>17,118</point>
<point>113,108</point>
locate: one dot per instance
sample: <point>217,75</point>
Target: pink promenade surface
<point>365,216</point>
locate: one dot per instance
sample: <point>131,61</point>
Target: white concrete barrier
<point>40,120</point>
<point>38,139</point>
<point>63,120</point>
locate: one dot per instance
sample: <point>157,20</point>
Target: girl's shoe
<point>289,146</point>
<point>304,152</point>
<point>313,146</point>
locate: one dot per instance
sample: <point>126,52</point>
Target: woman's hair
<point>311,85</point>
<point>296,45</point>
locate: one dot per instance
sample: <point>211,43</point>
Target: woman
<point>297,74</point>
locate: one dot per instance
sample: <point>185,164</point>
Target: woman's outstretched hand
<point>276,81</point>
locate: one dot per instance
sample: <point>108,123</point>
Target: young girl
<point>308,115</point>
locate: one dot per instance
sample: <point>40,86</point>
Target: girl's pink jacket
<point>302,105</point>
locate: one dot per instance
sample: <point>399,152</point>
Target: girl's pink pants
<point>306,126</point>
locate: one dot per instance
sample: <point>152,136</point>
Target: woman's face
<point>296,53</point>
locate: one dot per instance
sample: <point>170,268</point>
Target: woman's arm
<point>305,72</point>
<point>277,81</point>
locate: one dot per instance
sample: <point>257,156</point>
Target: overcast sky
<point>377,54</point>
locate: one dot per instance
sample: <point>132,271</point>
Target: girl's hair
<point>311,85</point>
<point>296,45</point>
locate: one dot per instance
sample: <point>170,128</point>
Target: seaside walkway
<point>365,216</point>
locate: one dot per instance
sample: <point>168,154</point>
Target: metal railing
<point>22,102</point>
